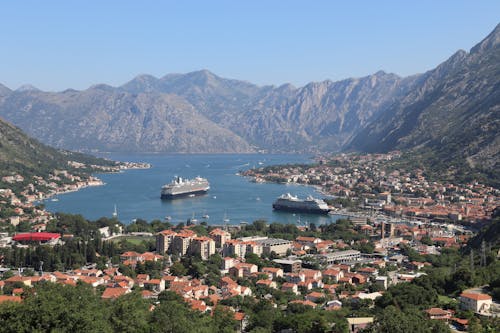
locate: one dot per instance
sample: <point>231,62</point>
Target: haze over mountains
<point>453,108</point>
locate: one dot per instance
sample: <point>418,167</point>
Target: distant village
<point>26,204</point>
<point>364,179</point>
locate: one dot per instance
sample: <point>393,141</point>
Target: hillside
<point>20,154</point>
<point>452,111</point>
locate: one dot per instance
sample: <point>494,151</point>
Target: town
<point>399,230</point>
<point>370,183</point>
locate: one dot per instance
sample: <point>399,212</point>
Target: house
<point>23,279</point>
<point>292,287</point>
<point>307,303</point>
<point>333,305</point>
<point>112,293</point>
<point>311,274</point>
<point>243,269</point>
<point>157,285</point>
<point>357,324</point>
<point>315,296</point>
<point>266,283</point>
<point>308,241</point>
<point>479,303</point>
<point>295,277</point>
<point>242,320</point>
<point>273,272</point>
<point>368,271</point>
<point>439,314</point>
<point>307,285</point>
<point>333,274</point>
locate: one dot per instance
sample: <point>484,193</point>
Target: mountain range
<point>452,109</point>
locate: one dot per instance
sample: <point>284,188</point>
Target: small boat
<point>193,220</point>
<point>206,216</point>
<point>168,218</point>
<point>191,195</point>
<point>115,212</point>
<point>54,199</point>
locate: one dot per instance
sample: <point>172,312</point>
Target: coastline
<point>93,181</point>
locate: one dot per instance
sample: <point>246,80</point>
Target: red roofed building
<point>307,303</point>
<point>438,313</point>
<point>220,237</point>
<point>476,302</point>
<point>37,237</point>
<point>112,293</point>
<point>202,246</point>
<point>6,298</point>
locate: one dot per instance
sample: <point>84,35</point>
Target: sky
<point>56,45</point>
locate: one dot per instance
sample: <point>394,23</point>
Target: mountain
<point>202,112</point>
<point>108,119</point>
<point>23,155</point>
<point>452,110</point>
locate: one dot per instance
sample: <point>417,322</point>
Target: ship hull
<point>169,196</point>
<point>292,209</point>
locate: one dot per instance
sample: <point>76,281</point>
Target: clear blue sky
<point>56,45</point>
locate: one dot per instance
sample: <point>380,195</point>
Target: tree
<point>178,269</point>
<point>392,320</point>
<point>223,320</point>
<point>130,313</point>
<point>175,317</point>
<point>405,295</point>
<point>56,308</point>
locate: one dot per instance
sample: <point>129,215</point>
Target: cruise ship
<point>184,187</point>
<point>290,203</point>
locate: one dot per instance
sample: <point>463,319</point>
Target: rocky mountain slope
<point>455,104</point>
<point>453,110</point>
<point>201,112</point>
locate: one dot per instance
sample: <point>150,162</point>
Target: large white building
<point>479,303</point>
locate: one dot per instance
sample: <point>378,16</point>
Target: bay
<point>136,193</point>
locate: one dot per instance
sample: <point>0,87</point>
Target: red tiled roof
<point>113,292</point>
<point>36,236</point>
<point>6,298</point>
<point>476,296</point>
<point>308,303</point>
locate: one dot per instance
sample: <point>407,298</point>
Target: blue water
<point>136,193</point>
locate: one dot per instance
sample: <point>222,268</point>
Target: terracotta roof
<point>265,282</point>
<point>6,298</point>
<point>239,316</point>
<point>315,294</point>
<point>270,269</point>
<point>113,292</point>
<point>437,312</point>
<point>308,303</point>
<point>476,296</point>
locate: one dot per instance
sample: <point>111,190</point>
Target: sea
<point>232,198</point>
